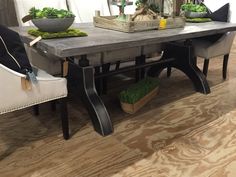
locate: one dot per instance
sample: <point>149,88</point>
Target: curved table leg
<point>186,62</point>
<point>84,78</point>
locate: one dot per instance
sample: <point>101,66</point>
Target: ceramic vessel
<point>53,24</point>
<point>189,14</point>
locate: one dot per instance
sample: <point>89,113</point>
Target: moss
<point>67,33</point>
<point>138,90</point>
<point>198,20</point>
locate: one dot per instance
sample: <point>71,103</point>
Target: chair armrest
<point>14,97</point>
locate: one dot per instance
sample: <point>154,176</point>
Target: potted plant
<point>137,95</point>
<point>51,19</point>
<point>194,10</point>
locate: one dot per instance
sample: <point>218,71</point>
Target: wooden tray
<point>132,108</point>
<point>109,22</point>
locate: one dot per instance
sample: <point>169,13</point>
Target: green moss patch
<point>138,90</point>
<point>198,20</point>
<point>62,34</point>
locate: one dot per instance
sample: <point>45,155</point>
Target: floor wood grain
<point>180,133</point>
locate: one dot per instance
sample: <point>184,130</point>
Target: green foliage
<point>198,20</point>
<point>139,2</point>
<point>154,7</point>
<point>138,90</point>
<point>48,12</point>
<point>193,7</point>
<point>47,35</point>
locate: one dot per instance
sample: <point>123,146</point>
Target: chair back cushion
<point>12,51</point>
<point>22,7</point>
<point>221,14</point>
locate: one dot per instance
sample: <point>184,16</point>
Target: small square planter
<point>137,95</point>
<point>133,108</point>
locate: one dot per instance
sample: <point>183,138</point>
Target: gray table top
<point>100,40</point>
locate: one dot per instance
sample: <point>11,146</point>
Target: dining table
<point>178,53</point>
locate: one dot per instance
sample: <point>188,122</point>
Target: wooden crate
<point>109,22</point>
<point>132,108</point>
<point>175,22</point>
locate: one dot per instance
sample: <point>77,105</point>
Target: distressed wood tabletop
<point>101,40</point>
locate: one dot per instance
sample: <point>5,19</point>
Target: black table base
<point>177,55</point>
<point>184,61</point>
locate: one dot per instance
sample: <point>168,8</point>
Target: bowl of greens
<point>194,10</point>
<point>51,20</point>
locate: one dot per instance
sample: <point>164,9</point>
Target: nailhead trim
<point>31,104</point>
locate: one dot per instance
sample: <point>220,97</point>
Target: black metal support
<point>53,105</point>
<point>117,65</point>
<point>105,69</point>
<point>184,61</point>
<point>131,68</point>
<point>98,82</point>
<point>64,118</point>
<point>225,65</point>
<point>140,73</point>
<point>83,77</point>
<point>36,110</point>
<point>168,71</point>
<point>205,66</point>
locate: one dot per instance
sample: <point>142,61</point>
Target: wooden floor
<point>180,133</point>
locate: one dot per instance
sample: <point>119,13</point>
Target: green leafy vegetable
<point>48,12</point>
<point>193,7</point>
<point>154,7</point>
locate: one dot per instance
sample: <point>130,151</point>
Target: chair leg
<point>205,66</point>
<point>225,64</point>
<point>168,71</point>
<point>53,105</point>
<point>36,110</point>
<point>64,118</point>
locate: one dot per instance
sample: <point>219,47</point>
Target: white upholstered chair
<point>17,93</point>
<point>51,64</point>
<point>207,50</point>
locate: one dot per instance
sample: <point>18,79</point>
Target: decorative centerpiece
<point>146,17</point>
<point>52,23</point>
<point>136,96</point>
<point>195,12</point>
<point>51,20</point>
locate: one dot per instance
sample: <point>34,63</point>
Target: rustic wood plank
<point>100,40</point>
